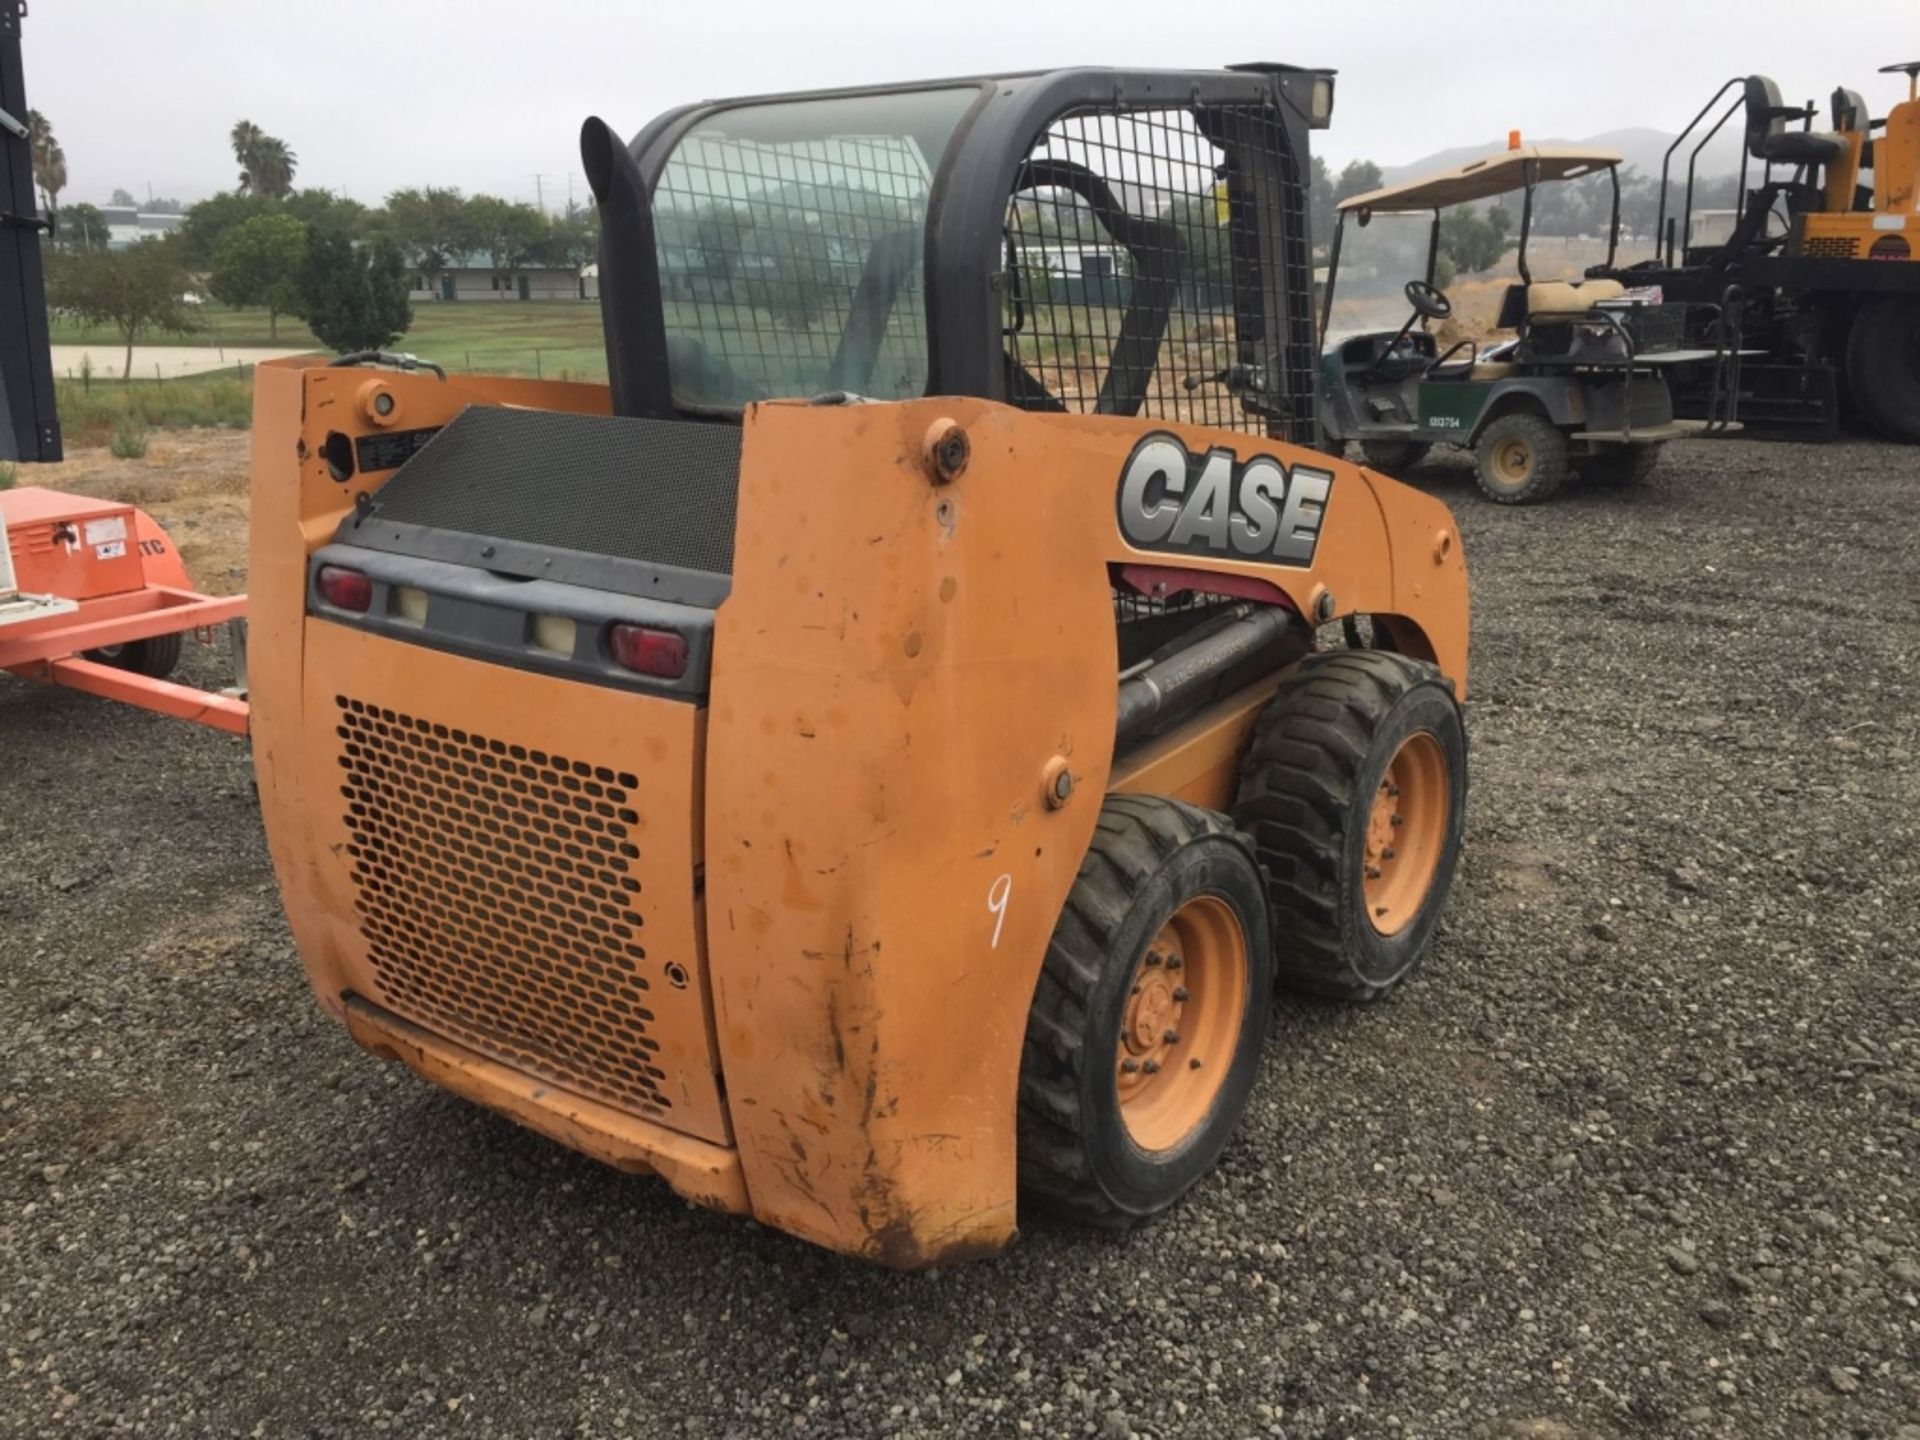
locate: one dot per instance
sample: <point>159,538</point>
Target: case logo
<point>1214,504</point>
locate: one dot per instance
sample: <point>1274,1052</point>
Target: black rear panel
<point>642,507</point>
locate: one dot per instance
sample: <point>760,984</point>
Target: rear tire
<point>1116,1122</point>
<point>154,658</point>
<point>1354,792</point>
<point>1620,465</point>
<point>1393,456</point>
<point>1520,459</point>
<point>1883,366</point>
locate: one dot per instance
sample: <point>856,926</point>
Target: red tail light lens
<point>347,589</point>
<point>660,653</point>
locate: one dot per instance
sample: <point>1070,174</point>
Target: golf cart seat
<point>1769,139</point>
<point>1371,356</point>
<point>1554,297</point>
<point>1851,117</point>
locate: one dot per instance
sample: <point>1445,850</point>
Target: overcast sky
<point>376,94</point>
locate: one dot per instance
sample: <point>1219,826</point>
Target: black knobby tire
<point>1883,366</point>
<point>1393,456</point>
<point>1503,477</point>
<point>1150,857</point>
<point>1621,465</point>
<point>1308,786</point>
<point>154,658</point>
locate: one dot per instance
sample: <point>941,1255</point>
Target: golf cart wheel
<point>1521,459</point>
<point>1145,1033</point>
<point>1355,792</point>
<point>154,658</point>
<point>1883,366</point>
<point>1620,465</point>
<point>1393,456</point>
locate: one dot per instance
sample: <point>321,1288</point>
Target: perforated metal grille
<point>1153,254</point>
<point>1832,247</point>
<point>496,892</point>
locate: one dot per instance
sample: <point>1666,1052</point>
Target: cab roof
<point>1480,179</point>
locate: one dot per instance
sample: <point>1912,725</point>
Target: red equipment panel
<point>71,546</point>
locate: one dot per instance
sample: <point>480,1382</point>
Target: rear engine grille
<point>1832,247</point>
<point>495,890</point>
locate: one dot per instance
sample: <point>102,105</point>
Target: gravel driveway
<point>1633,1156</point>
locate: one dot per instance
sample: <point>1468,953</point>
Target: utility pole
<point>539,192</point>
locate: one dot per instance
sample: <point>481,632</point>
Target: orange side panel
<point>898,665</point>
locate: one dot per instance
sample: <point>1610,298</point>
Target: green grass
<point>101,413</point>
<point>554,338</point>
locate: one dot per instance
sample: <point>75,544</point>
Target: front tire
<point>1355,792</point>
<point>1144,1037</point>
<point>1883,366</point>
<point>1392,456</point>
<point>1621,465</point>
<point>1520,459</point>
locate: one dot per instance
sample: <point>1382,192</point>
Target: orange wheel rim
<point>1406,833</point>
<point>1186,1004</point>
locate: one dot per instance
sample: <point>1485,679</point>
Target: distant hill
<point>1641,145</point>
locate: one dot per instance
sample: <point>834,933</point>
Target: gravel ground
<point>1632,1156</point>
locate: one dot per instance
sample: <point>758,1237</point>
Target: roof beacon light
<point>1513,139</point>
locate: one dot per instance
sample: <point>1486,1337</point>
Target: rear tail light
<point>345,589</point>
<point>659,653</point>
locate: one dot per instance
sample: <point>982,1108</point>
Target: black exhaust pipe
<point>630,309</point>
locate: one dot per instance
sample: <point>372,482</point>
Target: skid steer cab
<point>873,758</point>
<point>1577,385</point>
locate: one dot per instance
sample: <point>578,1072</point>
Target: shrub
<point>90,416</point>
<point>7,474</point>
<point>129,440</point>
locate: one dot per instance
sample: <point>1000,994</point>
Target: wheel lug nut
<point>1399,819</point>
<point>1152,1067</point>
<point>1129,1066</point>
<point>1174,962</point>
<point>1180,992</point>
<point>1373,872</point>
<point>1171,1036</point>
<point>1194,1063</point>
<point>1393,790</point>
<point>1153,958</point>
<point>1387,854</point>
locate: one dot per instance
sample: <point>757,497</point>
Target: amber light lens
<point>659,653</point>
<point>344,588</point>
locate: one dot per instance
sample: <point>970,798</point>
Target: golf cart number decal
<point>1443,422</point>
<point>1214,504</point>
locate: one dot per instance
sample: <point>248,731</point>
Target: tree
<point>133,290</point>
<point>1320,215</point>
<point>509,233</point>
<point>354,297</point>
<point>122,199</point>
<point>1471,243</point>
<point>266,163</point>
<point>1358,178</point>
<point>574,237</point>
<point>430,227</point>
<point>1205,262</point>
<point>323,207</point>
<point>49,163</point>
<point>209,221</point>
<point>259,263</point>
<point>83,227</point>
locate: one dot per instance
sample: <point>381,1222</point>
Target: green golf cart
<point>1578,387</point>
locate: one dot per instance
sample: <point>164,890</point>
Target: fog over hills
<point>1641,145</point>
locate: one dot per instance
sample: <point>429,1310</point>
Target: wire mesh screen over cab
<point>1156,265</point>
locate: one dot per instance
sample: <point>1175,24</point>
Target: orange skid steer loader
<point>871,759</point>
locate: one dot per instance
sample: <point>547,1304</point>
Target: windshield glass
<point>789,239</point>
<point>1376,262</point>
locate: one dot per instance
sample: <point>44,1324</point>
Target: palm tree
<point>273,167</point>
<point>246,139</point>
<point>49,161</point>
<point>266,164</point>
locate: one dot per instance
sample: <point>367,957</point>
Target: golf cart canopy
<point>1484,178</point>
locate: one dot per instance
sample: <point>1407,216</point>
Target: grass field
<point>558,339</point>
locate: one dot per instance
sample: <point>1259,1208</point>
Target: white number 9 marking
<point>998,894</point>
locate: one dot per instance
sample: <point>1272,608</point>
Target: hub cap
<point>1512,463</point>
<point>1187,1000</point>
<point>1406,832</point>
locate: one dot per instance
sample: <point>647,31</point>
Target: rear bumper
<point>708,1175</point>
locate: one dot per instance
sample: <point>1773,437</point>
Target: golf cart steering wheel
<point>1428,300</point>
